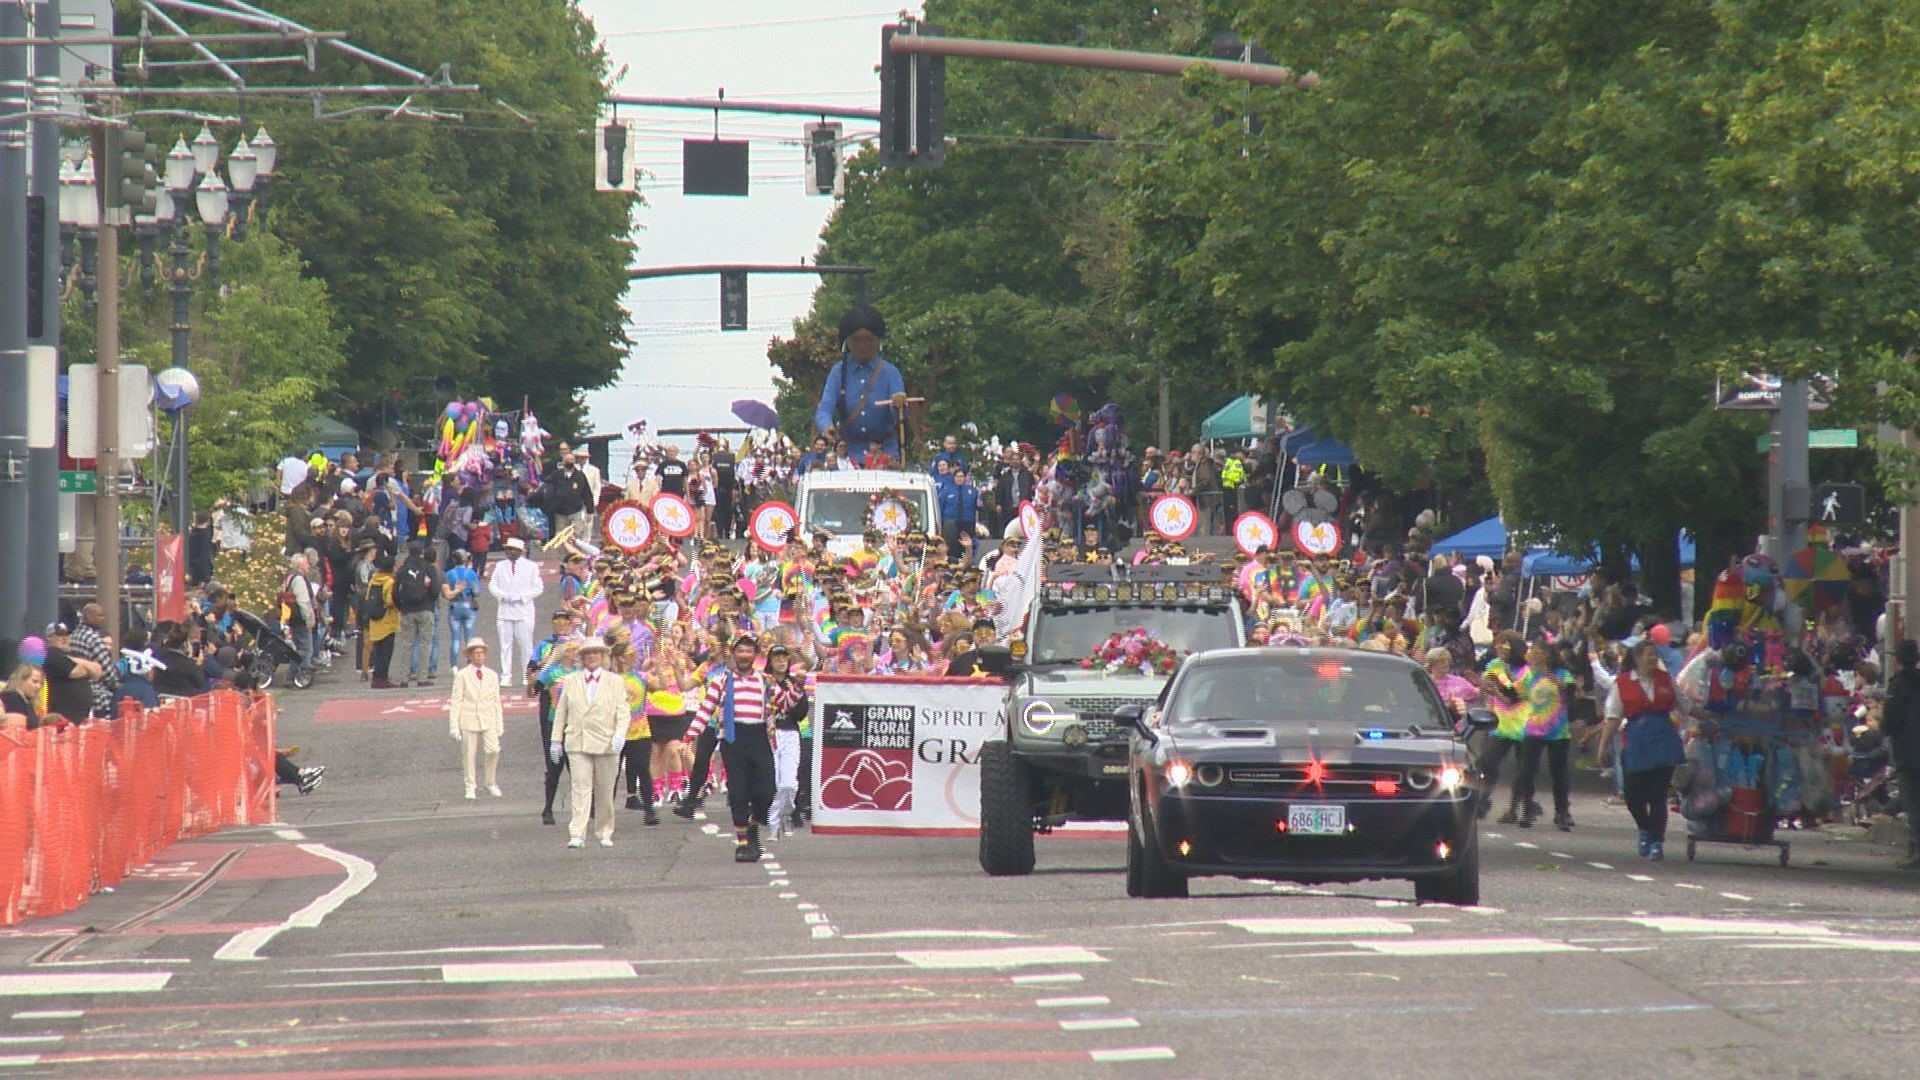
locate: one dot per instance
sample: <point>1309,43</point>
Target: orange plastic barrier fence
<point>81,807</point>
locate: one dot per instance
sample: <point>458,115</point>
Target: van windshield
<point>844,513</point>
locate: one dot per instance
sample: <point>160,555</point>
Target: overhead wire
<point>754,25</point>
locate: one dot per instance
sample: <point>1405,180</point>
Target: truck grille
<point>1337,778</point>
<point>1090,707</point>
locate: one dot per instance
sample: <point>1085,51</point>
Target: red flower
<point>867,780</point>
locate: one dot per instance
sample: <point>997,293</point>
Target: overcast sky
<point>683,371</point>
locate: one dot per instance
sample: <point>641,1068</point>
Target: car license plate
<point>1316,820</point>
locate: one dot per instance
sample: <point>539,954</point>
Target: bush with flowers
<point>1134,650</point>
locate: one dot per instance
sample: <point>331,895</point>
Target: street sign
<point>1839,504</point>
<point>77,482</point>
<point>1818,439</point>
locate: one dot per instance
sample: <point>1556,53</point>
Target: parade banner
<point>900,754</point>
<point>1173,517</point>
<point>627,526</point>
<point>770,525</point>
<point>1254,530</point>
<point>673,515</point>
<point>1317,537</point>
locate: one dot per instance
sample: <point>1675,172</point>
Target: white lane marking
<point>789,896</point>
<point>1677,924</point>
<point>49,1014</point>
<point>780,882</point>
<point>886,935</point>
<point>1638,877</point>
<point>1016,956</point>
<point>815,918</point>
<point>1477,910</point>
<point>1630,948</point>
<point>122,960</point>
<point>772,867</point>
<point>461,950</point>
<point>1468,947</point>
<point>1685,885</point>
<point>1525,844</point>
<point>1132,1053</point>
<point>290,834</point>
<point>1044,980</point>
<point>1100,1023</point>
<point>1559,854</point>
<point>362,970</point>
<point>824,931</point>
<point>18,1061</point>
<point>1619,1010</point>
<point>1328,927</point>
<point>1738,896</point>
<point>825,967</point>
<point>246,944</point>
<point>1883,945</point>
<point>353,982</point>
<point>1072,1002</point>
<point>77,982</point>
<point>804,906</point>
<point>1494,835</point>
<point>538,971</point>
<point>23,1040</point>
<point>1601,865</point>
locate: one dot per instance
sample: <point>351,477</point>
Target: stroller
<point>267,649</point>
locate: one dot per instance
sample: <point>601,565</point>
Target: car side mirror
<point>1482,720</point>
<point>1135,716</point>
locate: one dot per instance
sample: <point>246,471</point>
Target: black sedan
<point>1307,765</point>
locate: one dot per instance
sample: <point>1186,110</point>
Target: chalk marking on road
<point>290,834</point>
<point>772,867</point>
<point>780,882</point>
<point>1132,1053</point>
<point>1087,1002</point>
<point>246,944</point>
<point>1686,885</point>
<point>18,1061</point>
<point>1737,896</point>
<point>895,935</point>
<point>1627,1010</point>
<point>1527,845</point>
<point>1099,1023</point>
<point>78,982</point>
<point>710,829</point>
<point>815,918</point>
<point>824,931</point>
<point>1638,877</point>
<point>1468,947</point>
<point>1560,855</point>
<point>537,971</point>
<point>462,950</point>
<point>1049,978</point>
<point>1015,956</point>
<point>1332,926</point>
<point>804,906</point>
<point>50,1014</point>
<point>789,896</point>
<point>1601,865</point>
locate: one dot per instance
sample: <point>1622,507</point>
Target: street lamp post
<point>211,200</point>
<point>265,154</point>
<point>242,169</point>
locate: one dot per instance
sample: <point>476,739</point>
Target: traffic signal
<point>913,101</point>
<point>733,299</point>
<point>135,178</point>
<point>1227,45</point>
<point>823,158</point>
<point>613,157</point>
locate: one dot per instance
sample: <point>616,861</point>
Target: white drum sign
<point>628,527</point>
<point>771,523</point>
<point>1254,530</point>
<point>673,515</point>
<point>1173,517</point>
<point>1317,537</point>
<point>1030,521</point>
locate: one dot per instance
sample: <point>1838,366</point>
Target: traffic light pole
<point>43,351</point>
<point>15,102</point>
<point>106,502</point>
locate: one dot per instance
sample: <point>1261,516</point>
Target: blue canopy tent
<point>1542,562</point>
<point>1487,538</point>
<point>1324,452</point>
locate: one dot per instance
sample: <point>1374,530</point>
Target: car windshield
<point>1287,688</point>
<point>1075,633</point>
<point>843,513</point>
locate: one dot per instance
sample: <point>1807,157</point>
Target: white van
<point>840,503</point>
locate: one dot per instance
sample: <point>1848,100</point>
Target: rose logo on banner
<point>771,524</point>
<point>1254,530</point>
<point>1031,523</point>
<point>1316,537</point>
<point>627,526</point>
<point>673,515</point>
<point>1173,517</point>
<point>866,758</point>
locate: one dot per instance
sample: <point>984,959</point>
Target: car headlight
<point>1450,778</point>
<point>1038,716</point>
<point>1074,737</point>
<point>1177,773</point>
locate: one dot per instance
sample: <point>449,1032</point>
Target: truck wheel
<point>1460,888</point>
<point>1148,874</point>
<point>1006,813</point>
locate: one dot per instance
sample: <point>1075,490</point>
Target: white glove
<point>553,753</point>
<point>454,733</point>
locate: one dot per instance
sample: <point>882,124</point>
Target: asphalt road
<point>387,928</point>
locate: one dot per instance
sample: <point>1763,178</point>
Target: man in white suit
<point>514,585</point>
<point>590,726</point>
<point>476,718</point>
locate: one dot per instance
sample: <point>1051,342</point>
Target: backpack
<point>411,586</point>
<point>373,606</point>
